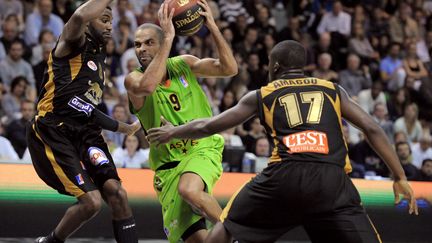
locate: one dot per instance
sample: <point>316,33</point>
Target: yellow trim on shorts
<point>228,206</point>
<point>69,186</point>
<point>375,230</point>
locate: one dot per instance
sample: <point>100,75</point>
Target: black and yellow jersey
<point>302,117</point>
<point>73,85</point>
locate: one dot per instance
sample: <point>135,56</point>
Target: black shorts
<point>319,197</point>
<point>71,159</point>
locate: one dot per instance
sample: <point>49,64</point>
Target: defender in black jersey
<point>305,182</point>
<point>65,142</point>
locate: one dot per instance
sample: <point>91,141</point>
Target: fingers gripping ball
<point>187,20</point>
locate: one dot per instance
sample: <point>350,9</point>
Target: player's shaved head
<point>154,27</point>
<point>286,57</point>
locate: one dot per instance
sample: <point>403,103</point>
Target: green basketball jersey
<point>179,100</point>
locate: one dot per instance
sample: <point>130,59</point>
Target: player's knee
<point>118,196</point>
<point>92,205</point>
<point>189,194</point>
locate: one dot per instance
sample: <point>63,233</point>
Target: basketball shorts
<point>71,159</point>
<point>319,197</point>
<point>178,215</point>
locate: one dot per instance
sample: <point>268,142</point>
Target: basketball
<point>187,20</point>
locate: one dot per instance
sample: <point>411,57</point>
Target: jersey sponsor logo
<point>94,93</point>
<point>184,81</point>
<point>97,156</point>
<point>79,179</point>
<point>92,65</point>
<point>80,105</point>
<point>307,142</point>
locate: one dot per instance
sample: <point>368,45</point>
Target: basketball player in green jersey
<point>185,170</point>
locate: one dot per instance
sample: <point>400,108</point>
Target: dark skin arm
<point>73,34</point>
<point>245,109</point>
<point>379,141</point>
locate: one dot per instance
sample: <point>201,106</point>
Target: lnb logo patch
<point>97,156</point>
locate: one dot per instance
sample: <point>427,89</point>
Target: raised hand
<point>165,19</point>
<point>161,134</point>
<point>206,13</point>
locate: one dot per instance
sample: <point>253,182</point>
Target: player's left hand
<point>206,13</point>
<point>133,128</point>
<point>160,135</point>
<point>402,187</point>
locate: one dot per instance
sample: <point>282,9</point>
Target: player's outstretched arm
<point>108,123</point>
<point>226,64</point>
<point>245,109</point>
<point>380,143</point>
<point>73,31</point>
<point>143,84</point>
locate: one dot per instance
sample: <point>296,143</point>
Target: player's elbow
<point>230,70</point>
<point>372,129</point>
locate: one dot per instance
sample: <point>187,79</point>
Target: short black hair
<point>156,28</point>
<point>289,54</point>
<point>425,161</point>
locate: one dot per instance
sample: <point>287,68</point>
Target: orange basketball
<point>187,20</point>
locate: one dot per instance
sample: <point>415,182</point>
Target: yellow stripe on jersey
<point>69,186</point>
<point>268,116</point>
<point>46,105</point>
<point>75,66</point>
<point>336,107</point>
<point>227,208</point>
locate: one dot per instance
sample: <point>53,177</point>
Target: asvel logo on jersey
<point>79,179</point>
<point>80,105</point>
<point>184,81</point>
<point>92,65</point>
<point>97,156</point>
<point>307,142</point>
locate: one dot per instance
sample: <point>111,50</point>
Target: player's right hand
<point>165,20</point>
<point>401,187</point>
<point>160,135</point>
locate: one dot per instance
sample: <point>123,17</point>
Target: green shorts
<point>178,215</point>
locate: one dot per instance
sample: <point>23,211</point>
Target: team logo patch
<point>184,81</point>
<point>307,142</point>
<point>97,156</point>
<point>80,105</point>
<point>79,179</point>
<point>92,65</point>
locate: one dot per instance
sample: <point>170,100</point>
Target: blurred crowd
<point>379,51</point>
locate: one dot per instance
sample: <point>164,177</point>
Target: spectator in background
<point>123,39</point>
<point>213,93</point>
<point>425,171</point>
<point>63,8</point>
<point>45,37</point>
<point>324,45</point>
<point>11,101</point>
<point>230,9</point>
<point>14,65</point>
<point>2,111</point>
<point>251,134</point>
<point>403,151</point>
<point>353,79</point>
<point>11,34</point>
<point>112,60</point>
<point>9,7</point>
<point>121,11</point>
<point>264,53</point>
<point>249,44</point>
<point>39,68</point>
<point>262,147</point>
<point>7,152</point>
<point>291,31</point>
<point>360,45</point>
<point>402,26</point>
<point>368,98</point>
<point>380,115</point>
<point>264,22</point>
<point>16,130</point>
<point>114,139</point>
<point>391,68</point>
<point>257,75</point>
<point>412,65</point>
<point>323,70</point>
<point>379,22</point>
<point>228,100</point>
<point>336,21</point>
<point>131,65</point>
<point>231,139</point>
<point>130,154</point>
<point>239,28</point>
<point>409,123</point>
<point>421,150</point>
<point>397,103</point>
<point>43,18</point>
